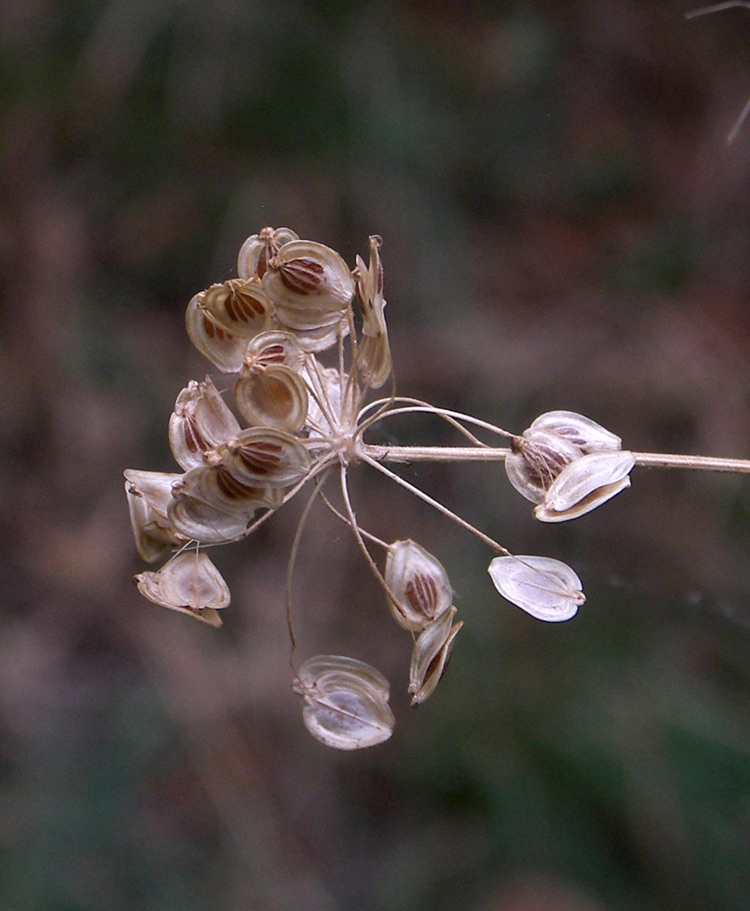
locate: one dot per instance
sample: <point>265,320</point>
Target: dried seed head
<point>200,421</point>
<point>258,249</point>
<point>536,459</point>
<point>225,350</point>
<point>189,583</point>
<point>430,656</point>
<point>240,306</point>
<point>309,284</point>
<point>545,588</point>
<point>419,584</point>
<point>585,484</point>
<point>149,494</point>
<point>345,702</point>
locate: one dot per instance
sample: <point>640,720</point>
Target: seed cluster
<point>301,421</point>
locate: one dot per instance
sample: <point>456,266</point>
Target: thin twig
<point>406,454</point>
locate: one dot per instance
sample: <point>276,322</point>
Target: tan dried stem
<point>407,454</point>
<point>292,562</point>
<point>436,504</point>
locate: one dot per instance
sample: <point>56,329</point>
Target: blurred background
<point>564,226</point>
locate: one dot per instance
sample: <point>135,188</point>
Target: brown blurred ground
<point>564,227</point>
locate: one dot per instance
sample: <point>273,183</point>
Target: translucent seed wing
<point>545,588</point>
<point>259,249</point>
<point>274,397</point>
<point>200,421</point>
<point>189,583</point>
<point>342,708</point>
<point>419,583</point>
<point>239,306</point>
<point>148,494</point>
<point>225,350</point>
<point>584,433</point>
<point>265,456</point>
<point>430,656</point>
<point>585,484</point>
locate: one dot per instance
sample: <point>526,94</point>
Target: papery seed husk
<point>535,460</point>
<point>327,387</point>
<point>430,656</point>
<point>148,495</point>
<point>240,306</point>
<point>225,350</point>
<point>274,397</point>
<point>189,583</point>
<point>189,579</point>
<point>544,514</point>
<point>348,719</point>
<point>150,590</point>
<point>345,702</point>
<point>542,586</point>
<point>374,360</point>
<point>419,584</point>
<point>319,339</point>
<point>585,484</point>
<point>207,524</point>
<point>309,284</point>
<point>321,668</point>
<point>273,348</point>
<point>265,456</point>
<point>200,421</point>
<point>374,354</point>
<point>369,283</point>
<point>259,249</point>
<point>216,486</point>
<point>584,433</point>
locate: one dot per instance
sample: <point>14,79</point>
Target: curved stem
<point>716,8</point>
<point>358,535</point>
<point>339,515</point>
<point>436,504</point>
<point>416,405</point>
<point>290,567</point>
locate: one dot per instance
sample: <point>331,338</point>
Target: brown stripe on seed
<point>302,276</point>
<point>421,590</point>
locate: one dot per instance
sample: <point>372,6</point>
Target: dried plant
<point>271,328</point>
<point>717,8</point>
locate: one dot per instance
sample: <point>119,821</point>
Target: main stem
<point>408,454</point>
